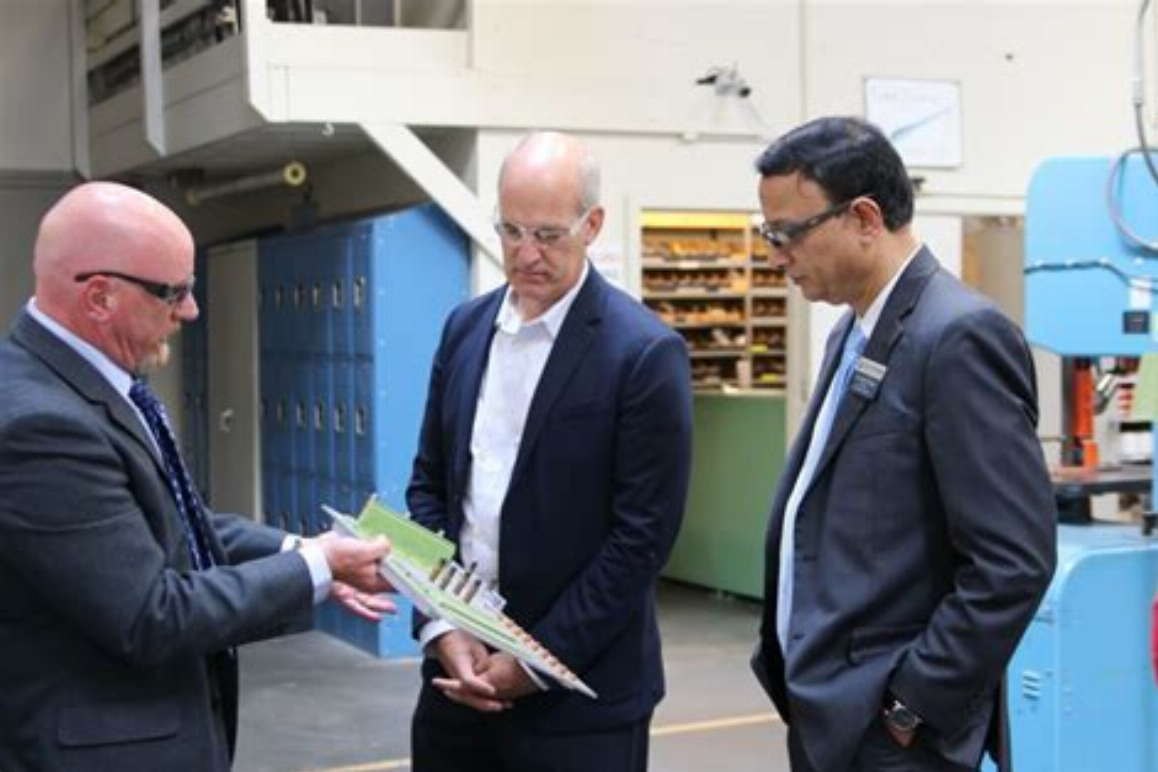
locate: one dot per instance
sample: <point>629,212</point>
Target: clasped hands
<point>358,584</point>
<point>487,681</point>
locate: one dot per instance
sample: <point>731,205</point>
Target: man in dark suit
<point>555,453</point>
<point>121,597</point>
<point>912,535</point>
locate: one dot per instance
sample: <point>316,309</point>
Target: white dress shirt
<point>518,354</point>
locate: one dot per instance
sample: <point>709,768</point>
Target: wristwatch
<point>899,716</point>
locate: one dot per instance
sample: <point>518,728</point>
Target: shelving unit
<point>706,274</point>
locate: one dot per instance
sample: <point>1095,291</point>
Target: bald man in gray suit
<point>121,597</point>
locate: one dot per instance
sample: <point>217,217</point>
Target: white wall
<point>1038,79</point>
<point>35,83</point>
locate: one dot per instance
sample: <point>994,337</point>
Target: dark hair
<point>847,157</point>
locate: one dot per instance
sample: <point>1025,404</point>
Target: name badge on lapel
<point>866,379</point>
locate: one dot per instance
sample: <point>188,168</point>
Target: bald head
<point>102,226</point>
<point>103,229</point>
<point>550,214</point>
<point>558,159</point>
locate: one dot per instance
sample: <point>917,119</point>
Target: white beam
<point>152,77</point>
<point>81,156</point>
<point>255,29</point>
<point>429,172</point>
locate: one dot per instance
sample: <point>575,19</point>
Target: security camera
<point>725,81</point>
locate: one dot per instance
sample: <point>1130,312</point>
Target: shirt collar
<point>112,372</point>
<point>868,322</point>
<point>511,322</point>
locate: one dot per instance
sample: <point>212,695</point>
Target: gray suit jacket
<point>113,651</point>
<point>927,536</point>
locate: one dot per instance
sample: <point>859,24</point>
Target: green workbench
<point>737,456</point>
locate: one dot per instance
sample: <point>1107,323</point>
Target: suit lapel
<point>75,370</point>
<point>808,424</point>
<point>575,338</point>
<point>476,351</point>
<point>886,335</point>
<point>83,377</point>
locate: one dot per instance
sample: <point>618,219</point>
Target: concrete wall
<point>35,133</point>
<point>35,86</point>
<point>1038,79</point>
<point>24,198</point>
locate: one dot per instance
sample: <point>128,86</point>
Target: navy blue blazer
<point>927,536</point>
<point>111,645</point>
<point>595,499</point>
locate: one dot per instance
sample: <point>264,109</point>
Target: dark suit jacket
<point>111,646</point>
<point>595,499</point>
<point>927,536</point>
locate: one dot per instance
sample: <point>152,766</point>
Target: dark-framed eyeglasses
<point>543,236</point>
<point>170,294</point>
<point>783,233</point>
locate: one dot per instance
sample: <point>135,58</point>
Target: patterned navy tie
<point>188,502</point>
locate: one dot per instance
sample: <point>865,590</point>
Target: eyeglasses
<point>170,294</point>
<point>545,236</point>
<point>783,233</point>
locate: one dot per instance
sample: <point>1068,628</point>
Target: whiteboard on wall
<point>922,118</point>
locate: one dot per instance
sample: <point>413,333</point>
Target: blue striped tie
<point>188,502</point>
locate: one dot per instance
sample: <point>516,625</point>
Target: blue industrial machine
<point>1082,694</point>
<point>1088,292</point>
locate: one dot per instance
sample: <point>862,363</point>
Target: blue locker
<point>322,415</point>
<point>342,422</point>
<point>1082,694</point>
<point>342,302</point>
<point>287,500</point>
<point>361,318</point>
<point>350,345</point>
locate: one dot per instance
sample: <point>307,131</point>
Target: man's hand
<point>508,678</point>
<point>464,657</point>
<point>354,562</point>
<point>367,605</point>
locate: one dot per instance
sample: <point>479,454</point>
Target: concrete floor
<point>311,703</point>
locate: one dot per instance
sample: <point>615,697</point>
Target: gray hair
<point>589,180</point>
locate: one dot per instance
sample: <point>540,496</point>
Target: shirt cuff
<point>431,630</point>
<point>320,575</point>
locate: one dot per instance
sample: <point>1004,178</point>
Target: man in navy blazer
<point>116,628</point>
<point>912,535</point>
<point>555,452</point>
